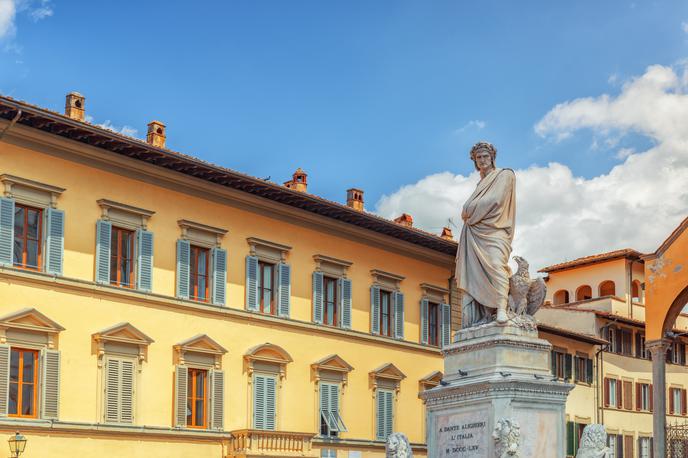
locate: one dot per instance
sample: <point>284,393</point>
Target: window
<point>607,288</point>
<point>615,444</point>
<point>620,340</point>
<point>119,389</point>
<point>643,396</point>
<point>677,401</point>
<point>640,351</point>
<point>628,447</point>
<point>199,284</point>
<point>584,293</point>
<point>561,297</point>
<point>433,324</point>
<point>331,423</point>
<point>121,257</point>
<point>384,413</point>
<point>331,314</point>
<point>635,291</point>
<point>386,313</point>
<point>266,287</point>
<point>264,401</point>
<point>583,369</point>
<point>676,354</point>
<point>612,393</point>
<point>23,383</point>
<point>561,364</point>
<point>644,447</point>
<point>197,398</point>
<point>28,236</point>
<point>574,432</point>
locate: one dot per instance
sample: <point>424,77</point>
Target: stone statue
<point>525,295</point>
<point>482,260</point>
<point>398,446</point>
<point>593,443</point>
<point>507,437</point>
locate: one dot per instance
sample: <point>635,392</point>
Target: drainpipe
<point>12,123</point>
<point>629,288</point>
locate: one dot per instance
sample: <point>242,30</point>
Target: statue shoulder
<point>506,175</point>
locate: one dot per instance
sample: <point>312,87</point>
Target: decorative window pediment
<point>29,320</point>
<point>387,376</point>
<point>430,381</point>
<point>267,251</point>
<point>332,267</point>
<point>331,364</point>
<point>30,192</point>
<point>270,354</point>
<point>434,293</point>
<point>122,335</point>
<point>124,215</point>
<point>386,280</point>
<point>200,345</point>
<point>201,234</point>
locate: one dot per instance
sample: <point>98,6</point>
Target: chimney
<point>354,199</point>
<point>447,234</point>
<point>405,220</point>
<point>74,106</point>
<point>156,134</point>
<point>298,181</point>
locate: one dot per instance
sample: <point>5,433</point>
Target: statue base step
<point>492,372</point>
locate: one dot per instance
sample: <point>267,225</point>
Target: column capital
<point>658,346</point>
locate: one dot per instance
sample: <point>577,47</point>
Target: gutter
<point>11,124</point>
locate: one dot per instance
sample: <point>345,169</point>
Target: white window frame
<point>645,396</point>
<point>613,392</point>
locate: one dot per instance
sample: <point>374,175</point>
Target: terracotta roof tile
<point>594,259</point>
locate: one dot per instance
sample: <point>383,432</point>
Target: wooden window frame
<point>390,314</point>
<point>333,300</point>
<point>25,238</point>
<point>262,289</point>
<point>434,339</point>
<point>191,380</point>
<point>20,383</point>
<point>116,238</point>
<point>560,364</point>
<point>194,251</point>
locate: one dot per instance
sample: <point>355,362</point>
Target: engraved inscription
<point>462,435</point>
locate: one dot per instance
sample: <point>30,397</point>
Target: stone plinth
<point>496,371</point>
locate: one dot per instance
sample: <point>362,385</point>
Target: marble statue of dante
<point>482,260</point>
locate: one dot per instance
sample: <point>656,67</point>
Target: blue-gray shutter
<point>103,236</point>
<point>219,257</point>
<point>181,374</point>
<point>6,231</point>
<point>217,404</point>
<point>50,384</point>
<point>345,302</point>
<point>375,309</point>
<point>424,306</point>
<point>446,324</point>
<point>398,315</point>
<point>54,241</point>
<point>4,378</point>
<point>144,264</point>
<point>283,289</point>
<point>389,412</point>
<point>183,268</point>
<point>252,300</point>
<point>318,297</point>
<point>270,403</point>
<point>259,383</point>
<point>385,414</point>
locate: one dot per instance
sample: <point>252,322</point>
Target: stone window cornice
<point>124,215</point>
<point>201,234</point>
<point>267,251</point>
<point>30,192</point>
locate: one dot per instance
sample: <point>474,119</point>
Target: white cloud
<point>560,216</point>
<point>684,26</point>
<point>36,9</point>
<point>8,11</point>
<point>476,124</point>
<point>124,130</point>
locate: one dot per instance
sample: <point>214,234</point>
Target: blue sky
<point>376,95</point>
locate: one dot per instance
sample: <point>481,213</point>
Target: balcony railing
<point>257,442</point>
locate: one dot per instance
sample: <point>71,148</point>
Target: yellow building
<point>153,304</point>
<point>602,296</point>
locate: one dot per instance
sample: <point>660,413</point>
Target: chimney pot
<point>299,181</point>
<point>447,234</point>
<point>405,220</point>
<point>74,106</point>
<point>156,134</point>
<point>354,199</point>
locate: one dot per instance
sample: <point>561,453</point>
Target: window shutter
<point>259,383</point>
<point>389,413</point>
<point>252,302</point>
<point>334,401</point>
<point>424,321</point>
<point>576,372</point>
<point>112,389</point>
<point>54,241</point>
<point>181,374</point>
<point>317,297</point>
<point>283,289</point>
<point>4,378</point>
<point>553,361</point>
<point>6,232</point>
<point>683,402</point>
<point>652,398</point>
<point>628,395</point>
<point>567,366</point>
<point>345,294</point>
<point>270,402</point>
<point>682,354</point>
<point>618,394</point>
<point>375,309</point>
<point>446,324</point>
<point>380,417</point>
<point>103,233</point>
<point>144,267</point>
<point>638,348</point>
<point>398,315</point>
<point>127,394</point>
<point>219,259</point>
<point>570,433</point>
<point>217,410</point>
<point>638,396</point>
<point>50,384</point>
<point>606,392</point>
<point>183,268</point>
<point>671,400</point>
<point>588,370</point>
<point>325,399</point>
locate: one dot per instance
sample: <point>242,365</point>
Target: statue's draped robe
<point>482,260</point>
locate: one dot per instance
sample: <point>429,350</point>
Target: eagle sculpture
<point>525,295</point>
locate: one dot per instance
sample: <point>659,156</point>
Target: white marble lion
<point>593,443</point>
<point>398,446</point>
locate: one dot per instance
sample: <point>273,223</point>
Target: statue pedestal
<point>496,371</point>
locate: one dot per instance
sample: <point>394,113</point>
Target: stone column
<point>658,349</point>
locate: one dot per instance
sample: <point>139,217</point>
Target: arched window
<point>607,288</point>
<point>583,293</point>
<point>635,291</point>
<point>561,297</point>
